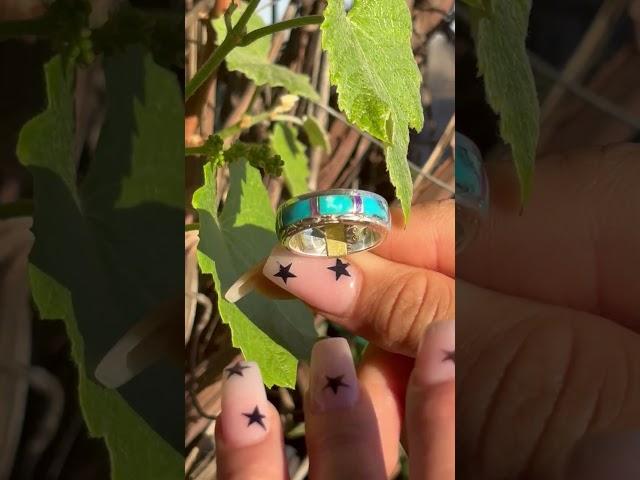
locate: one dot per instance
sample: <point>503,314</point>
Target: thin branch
<point>21,28</point>
<point>544,68</point>
<point>279,27</point>
<point>232,40</point>
<point>19,208</point>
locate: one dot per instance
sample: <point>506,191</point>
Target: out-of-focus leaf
<point>378,81</point>
<point>102,256</point>
<point>508,81</point>
<point>272,333</point>
<point>285,143</point>
<point>253,61</point>
<point>316,134</point>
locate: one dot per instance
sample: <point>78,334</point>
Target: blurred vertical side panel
<point>91,239</point>
<point>548,328</point>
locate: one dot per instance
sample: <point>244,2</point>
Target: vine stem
<point>289,118</point>
<point>238,38</point>
<point>278,27</point>
<point>232,40</point>
<point>21,28</point>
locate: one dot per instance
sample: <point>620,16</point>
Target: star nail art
<point>284,273</point>
<point>340,268</point>
<point>334,383</point>
<point>235,369</point>
<point>449,355</point>
<point>255,417</point>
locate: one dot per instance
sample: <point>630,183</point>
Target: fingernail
<point>436,359</point>
<point>334,384</point>
<point>327,284</point>
<point>244,405</point>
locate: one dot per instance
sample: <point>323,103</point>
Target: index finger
<point>427,241</point>
<point>576,242</point>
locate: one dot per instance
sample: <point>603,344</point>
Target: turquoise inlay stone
<point>371,206</point>
<point>335,204</point>
<point>296,212</point>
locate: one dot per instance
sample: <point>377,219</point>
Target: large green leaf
<point>508,80</point>
<point>109,252</point>
<point>284,141</point>
<point>272,333</point>
<point>378,81</point>
<point>253,61</point>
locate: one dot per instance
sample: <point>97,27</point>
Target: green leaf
<point>479,4</point>
<point>99,261</point>
<point>316,134</point>
<point>285,143</point>
<point>509,83</point>
<point>378,82</point>
<point>272,333</point>
<point>253,61</point>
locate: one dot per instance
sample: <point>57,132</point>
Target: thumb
<point>388,303</point>
<point>533,379</point>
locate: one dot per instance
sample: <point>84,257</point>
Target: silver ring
<point>333,223</point>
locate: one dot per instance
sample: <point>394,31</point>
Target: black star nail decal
<point>255,417</point>
<point>236,369</point>
<point>284,273</point>
<point>334,383</point>
<point>340,268</point>
<point>449,355</point>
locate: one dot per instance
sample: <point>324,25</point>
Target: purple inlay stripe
<point>357,203</point>
<point>313,202</point>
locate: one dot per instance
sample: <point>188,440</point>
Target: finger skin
<point>430,418</point>
<point>384,376</point>
<point>386,302</point>
<point>575,243</point>
<point>265,459</point>
<point>343,438</point>
<point>533,379</point>
<point>427,241</point>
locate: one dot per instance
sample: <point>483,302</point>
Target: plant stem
<point>19,208</point>
<point>191,226</point>
<point>278,27</point>
<point>194,151</point>
<point>289,118</point>
<point>233,39</point>
<point>21,28</point>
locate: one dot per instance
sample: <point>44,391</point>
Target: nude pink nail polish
<point>327,284</point>
<point>436,359</point>
<point>334,384</point>
<point>244,405</point>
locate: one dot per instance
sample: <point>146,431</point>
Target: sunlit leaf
<point>253,61</point>
<point>285,143</point>
<point>317,135</point>
<point>270,332</point>
<point>378,81</point>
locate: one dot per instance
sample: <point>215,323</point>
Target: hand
<point>354,420</point>
<point>548,323</point>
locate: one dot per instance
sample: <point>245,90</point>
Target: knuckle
<point>404,309</point>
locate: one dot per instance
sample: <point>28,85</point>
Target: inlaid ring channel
<point>333,223</point>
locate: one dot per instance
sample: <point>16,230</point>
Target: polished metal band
<point>333,223</point>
